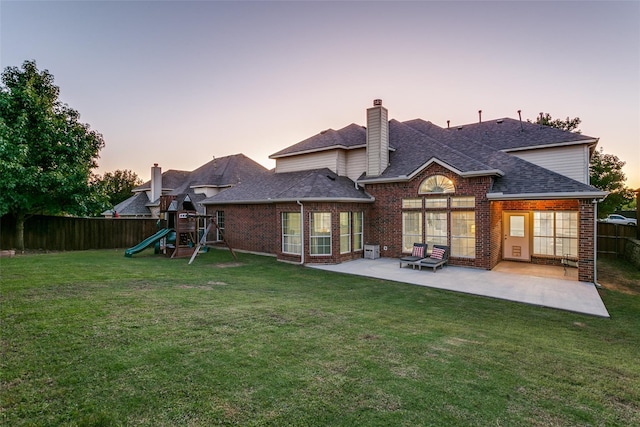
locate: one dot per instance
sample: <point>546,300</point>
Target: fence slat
<point>58,233</point>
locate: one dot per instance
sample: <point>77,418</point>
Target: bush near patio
<point>92,338</point>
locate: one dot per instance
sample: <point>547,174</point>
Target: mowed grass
<point>94,338</point>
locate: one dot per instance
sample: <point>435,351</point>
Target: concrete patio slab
<point>554,292</point>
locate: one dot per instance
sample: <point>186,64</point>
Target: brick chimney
<point>377,139</point>
<point>156,182</point>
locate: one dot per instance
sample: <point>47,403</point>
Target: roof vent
<point>377,102</point>
<point>332,178</point>
<point>459,127</point>
<point>499,121</point>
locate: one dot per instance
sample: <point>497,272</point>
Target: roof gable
<point>348,137</point>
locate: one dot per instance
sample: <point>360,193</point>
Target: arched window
<point>436,184</point>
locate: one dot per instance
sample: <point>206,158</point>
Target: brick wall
<point>385,225</point>
<point>257,228</point>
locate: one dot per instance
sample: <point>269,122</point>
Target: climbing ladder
<point>203,240</point>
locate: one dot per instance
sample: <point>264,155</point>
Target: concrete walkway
<point>554,292</point>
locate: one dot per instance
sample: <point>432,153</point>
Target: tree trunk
<point>20,231</point>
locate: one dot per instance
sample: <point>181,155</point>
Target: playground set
<point>177,236</point>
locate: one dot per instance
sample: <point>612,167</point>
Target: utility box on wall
<point>372,251</point>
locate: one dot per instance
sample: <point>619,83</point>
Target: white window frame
<point>551,237</point>
<point>358,231</point>
<point>411,229</point>
<point>291,240</point>
<point>320,230</point>
<point>345,235</point>
<point>463,234</point>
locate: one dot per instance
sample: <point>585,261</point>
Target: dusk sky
<point>178,82</point>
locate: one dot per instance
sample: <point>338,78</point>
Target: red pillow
<point>437,253</point>
<point>418,251</point>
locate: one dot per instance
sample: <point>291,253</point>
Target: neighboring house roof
<point>135,205</point>
<point>309,185</point>
<point>220,172</point>
<point>351,136</point>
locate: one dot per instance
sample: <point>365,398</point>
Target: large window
<point>291,233</point>
<point>448,219</point>
<point>320,236</point>
<point>358,228</point>
<point>435,228</point>
<point>463,234</point>
<point>411,230</point>
<point>345,232</point>
<point>555,233</point>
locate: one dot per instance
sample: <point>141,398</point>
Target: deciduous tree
<point>118,185</point>
<point>606,174</point>
<point>46,153</point>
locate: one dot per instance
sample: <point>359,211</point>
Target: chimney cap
<point>377,102</point>
<point>155,165</point>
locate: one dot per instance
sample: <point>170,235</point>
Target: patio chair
<point>418,253</point>
<point>439,257</point>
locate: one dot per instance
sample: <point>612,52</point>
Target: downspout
<point>595,244</point>
<point>301,232</point>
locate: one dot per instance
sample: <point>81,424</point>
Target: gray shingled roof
<point>509,134</point>
<point>413,149</point>
<point>135,205</point>
<point>317,184</point>
<point>349,136</point>
<point>222,172</point>
<point>170,179</point>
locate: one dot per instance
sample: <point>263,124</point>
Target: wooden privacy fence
<point>57,233</point>
<point>612,238</point>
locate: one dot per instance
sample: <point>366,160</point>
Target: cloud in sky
<point>176,83</point>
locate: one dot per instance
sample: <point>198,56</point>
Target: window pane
<point>345,232</point>
<point>435,203</point>
<point>555,233</point>
<point>220,222</point>
<point>567,234</point>
<point>411,203</point>
<point>436,228</point>
<point>516,226</point>
<point>411,230</point>
<point>291,236</point>
<point>357,230</point>
<point>463,202</point>
<point>463,234</point>
<point>320,239</point>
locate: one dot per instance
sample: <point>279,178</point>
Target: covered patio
<point>545,286</point>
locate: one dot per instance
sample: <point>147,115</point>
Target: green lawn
<point>94,338</point>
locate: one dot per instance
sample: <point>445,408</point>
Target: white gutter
<point>301,232</point>
<point>307,200</point>
<point>547,196</point>
<point>589,141</point>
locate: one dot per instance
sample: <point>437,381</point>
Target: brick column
<point>586,241</point>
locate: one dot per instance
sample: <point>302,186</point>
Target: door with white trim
<point>515,228</point>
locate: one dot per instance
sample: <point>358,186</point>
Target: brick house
<point>209,179</point>
<point>492,191</point>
